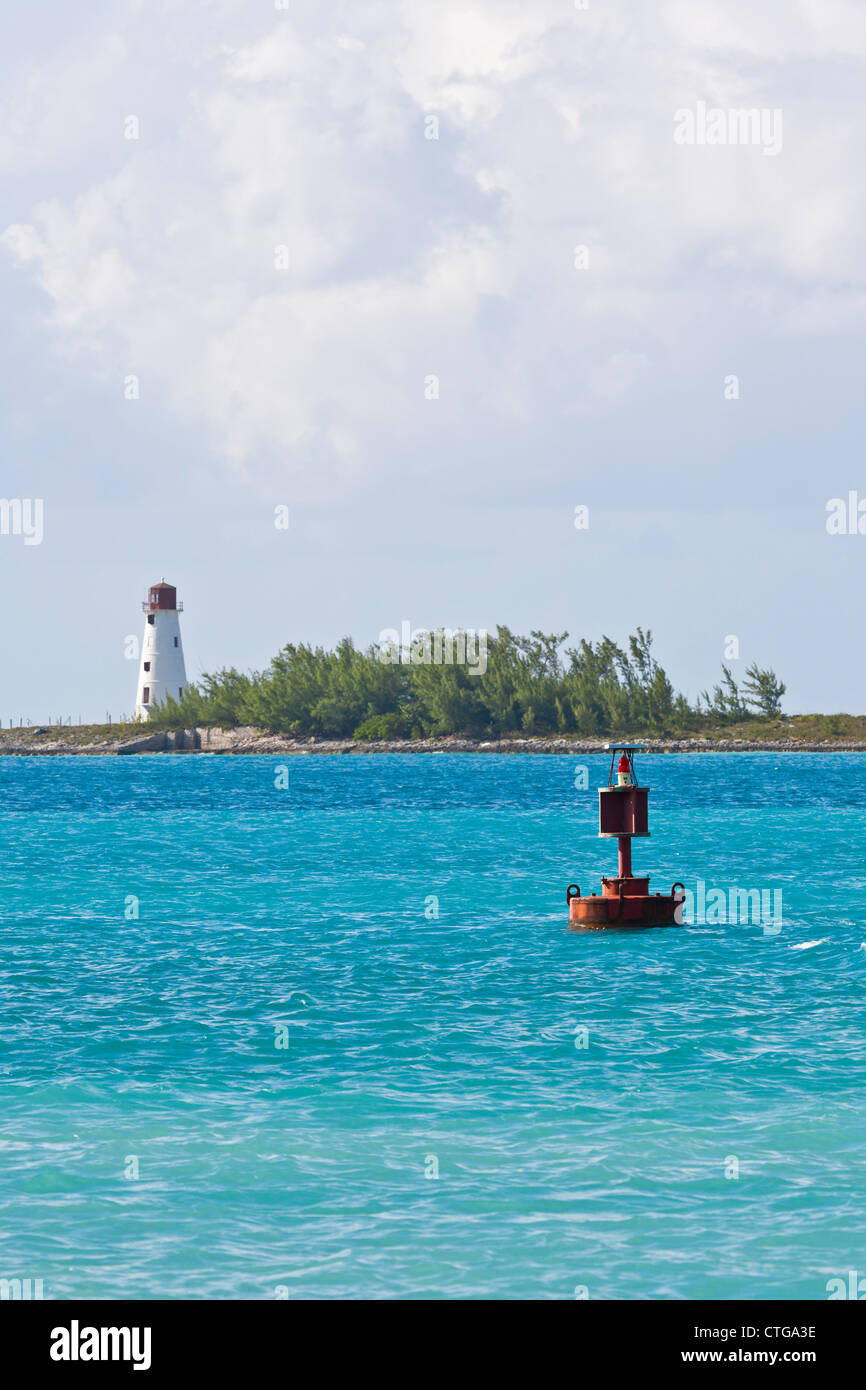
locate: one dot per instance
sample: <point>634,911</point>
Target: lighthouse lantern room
<point>162,671</point>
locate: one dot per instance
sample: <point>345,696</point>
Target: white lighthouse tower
<point>162,670</point>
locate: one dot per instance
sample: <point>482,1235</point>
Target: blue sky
<point>411,257</point>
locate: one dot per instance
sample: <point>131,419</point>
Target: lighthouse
<point>162,670</point>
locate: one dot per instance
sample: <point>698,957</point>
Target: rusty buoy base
<point>623,902</point>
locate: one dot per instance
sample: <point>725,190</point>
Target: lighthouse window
<point>150,617</point>
<point>180,692</point>
<point>147,666</point>
<point>145,695</point>
<point>175,641</point>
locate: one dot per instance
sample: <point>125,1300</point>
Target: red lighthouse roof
<point>162,597</point>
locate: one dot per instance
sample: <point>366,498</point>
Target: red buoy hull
<point>638,910</point>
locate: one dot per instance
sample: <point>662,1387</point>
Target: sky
<point>431,277</point>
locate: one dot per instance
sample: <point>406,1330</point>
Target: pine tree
<point>764,690</point>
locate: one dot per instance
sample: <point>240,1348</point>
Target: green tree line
<point>529,685</point>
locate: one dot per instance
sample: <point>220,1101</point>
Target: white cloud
<point>773,32</point>
<point>51,110</point>
<point>411,256</point>
<point>617,375</point>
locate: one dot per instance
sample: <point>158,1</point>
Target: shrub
<point>381,727</point>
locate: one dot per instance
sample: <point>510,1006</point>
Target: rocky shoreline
<point>65,742</point>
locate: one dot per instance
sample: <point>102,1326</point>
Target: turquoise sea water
<point>420,1043</point>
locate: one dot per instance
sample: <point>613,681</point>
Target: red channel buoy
<point>624,901</point>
